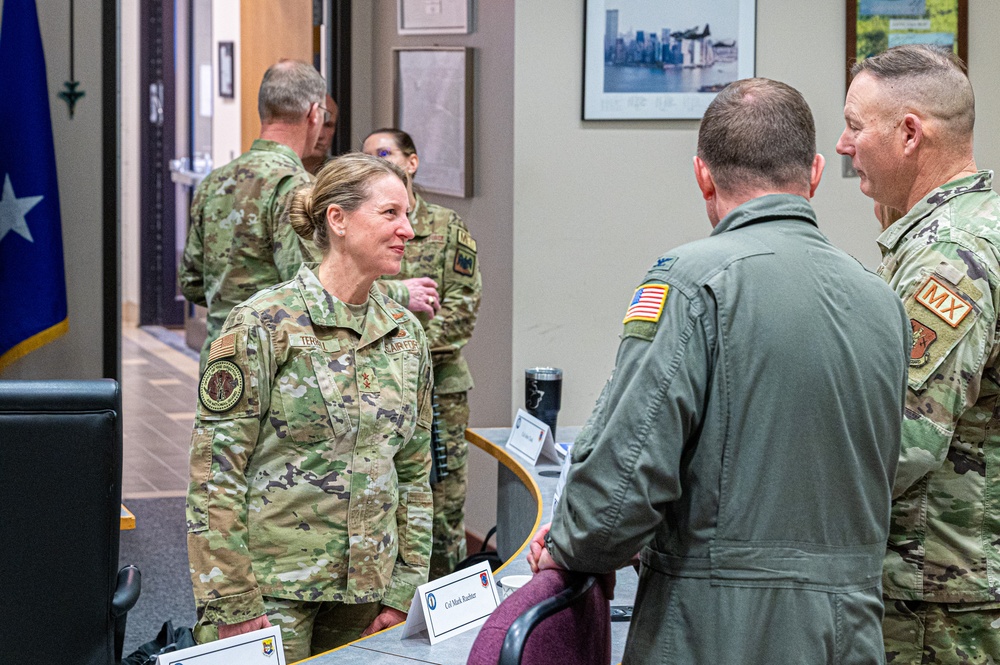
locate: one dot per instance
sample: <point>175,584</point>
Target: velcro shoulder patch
<point>465,239</point>
<point>945,303</point>
<point>941,314</point>
<point>647,303</point>
<point>223,347</point>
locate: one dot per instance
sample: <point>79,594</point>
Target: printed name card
<point>452,604</point>
<point>531,438</point>
<point>260,647</point>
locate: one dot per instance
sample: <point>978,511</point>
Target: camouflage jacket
<point>943,259</point>
<point>239,240</point>
<point>310,455</point>
<point>443,250</point>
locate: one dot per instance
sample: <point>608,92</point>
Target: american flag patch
<point>647,303</point>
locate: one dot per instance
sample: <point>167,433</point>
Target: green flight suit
<point>443,250</point>
<point>943,260</point>
<point>746,445</point>
<point>310,456</point>
<point>239,238</point>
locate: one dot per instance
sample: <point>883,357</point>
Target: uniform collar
<point>981,181</point>
<point>767,208</point>
<point>326,310</point>
<point>419,219</point>
<point>273,146</point>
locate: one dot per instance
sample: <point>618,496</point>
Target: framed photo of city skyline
<point>656,60</point>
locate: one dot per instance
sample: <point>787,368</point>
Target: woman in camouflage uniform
<point>440,260</point>
<point>309,505</point>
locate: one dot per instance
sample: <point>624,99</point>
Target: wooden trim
<point>508,460</point>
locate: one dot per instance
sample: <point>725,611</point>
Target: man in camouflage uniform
<point>309,497</point>
<point>440,282</point>
<point>239,240</point>
<point>910,114</point>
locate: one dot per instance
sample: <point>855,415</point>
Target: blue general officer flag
<point>32,274</point>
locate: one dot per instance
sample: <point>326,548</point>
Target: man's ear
<point>816,173</point>
<point>911,130</point>
<point>704,177</point>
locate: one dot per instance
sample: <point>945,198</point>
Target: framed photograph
<point>226,68</point>
<point>433,17</point>
<point>433,104</point>
<point>876,25</point>
<point>655,60</point>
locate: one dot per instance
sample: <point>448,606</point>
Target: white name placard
<point>260,647</point>
<point>452,604</point>
<point>531,438</point>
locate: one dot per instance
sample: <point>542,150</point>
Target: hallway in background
<point>159,393</point>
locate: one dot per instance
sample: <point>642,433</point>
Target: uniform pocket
<point>201,473</point>
<point>414,525</point>
<point>312,407</point>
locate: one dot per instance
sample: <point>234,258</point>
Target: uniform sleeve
<point>461,291</point>
<point>416,503</point>
<point>290,249</point>
<point>192,273</point>
<point>225,587</point>
<point>947,359</point>
<point>396,290</point>
<point>626,464</point>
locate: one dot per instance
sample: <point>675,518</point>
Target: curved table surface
<point>534,484</point>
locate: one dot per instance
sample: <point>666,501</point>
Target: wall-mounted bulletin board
<point>433,104</point>
<point>876,25</point>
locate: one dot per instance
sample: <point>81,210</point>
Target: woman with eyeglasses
<point>439,281</point>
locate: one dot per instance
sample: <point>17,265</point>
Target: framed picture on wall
<point>876,25</point>
<point>433,104</point>
<point>655,60</point>
<point>433,17</point>
<point>226,68</point>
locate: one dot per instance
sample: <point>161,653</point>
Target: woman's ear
<point>336,219</point>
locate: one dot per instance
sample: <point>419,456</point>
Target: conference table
<point>524,502</point>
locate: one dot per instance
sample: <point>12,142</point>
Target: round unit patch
<point>221,386</point>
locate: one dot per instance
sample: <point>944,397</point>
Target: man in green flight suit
<point>910,113</point>
<point>746,357</point>
<point>239,240</point>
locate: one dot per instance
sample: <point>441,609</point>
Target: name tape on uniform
<point>452,604</point>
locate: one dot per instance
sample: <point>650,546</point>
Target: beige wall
<point>489,212</point>
<point>76,355</point>
<point>597,202</point>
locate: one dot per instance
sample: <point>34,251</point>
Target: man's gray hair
<point>288,89</point>
<point>927,79</point>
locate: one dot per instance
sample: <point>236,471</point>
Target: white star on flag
<point>13,210</point>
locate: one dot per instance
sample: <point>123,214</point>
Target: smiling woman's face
<point>375,234</point>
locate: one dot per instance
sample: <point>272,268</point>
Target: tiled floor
<point>158,401</point>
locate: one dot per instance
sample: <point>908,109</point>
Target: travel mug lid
<point>543,373</point>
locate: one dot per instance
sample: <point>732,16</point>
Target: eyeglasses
<point>326,112</point>
<point>383,153</point>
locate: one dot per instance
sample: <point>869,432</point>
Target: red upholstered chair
<point>557,617</point>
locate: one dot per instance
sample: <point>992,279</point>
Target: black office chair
<point>64,599</point>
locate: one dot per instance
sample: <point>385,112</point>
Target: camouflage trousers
<point>918,633</point>
<point>449,493</point>
<point>308,628</point>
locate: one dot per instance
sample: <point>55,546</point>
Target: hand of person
<point>423,295</point>
<point>538,555</point>
<point>250,625</point>
<point>389,616</point>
